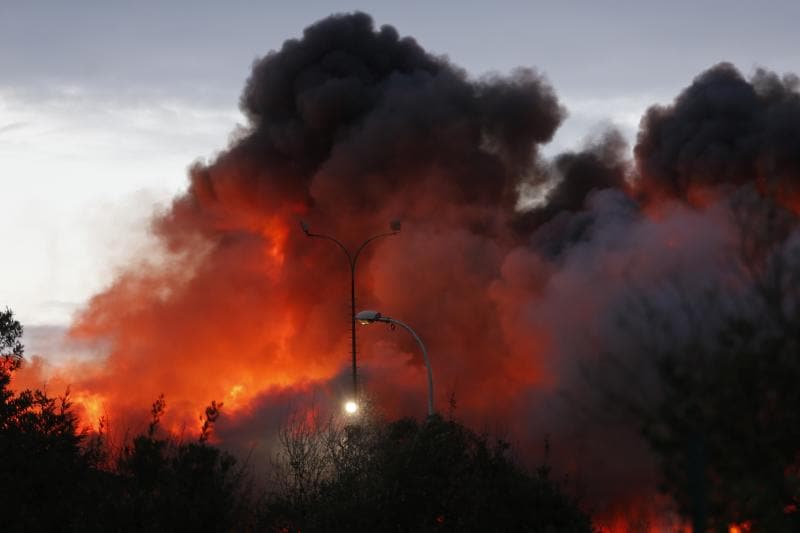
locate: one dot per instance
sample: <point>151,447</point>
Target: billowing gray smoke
<point>352,126</point>
<point>347,116</point>
<point>723,129</point>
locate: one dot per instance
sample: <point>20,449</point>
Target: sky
<point>104,105</point>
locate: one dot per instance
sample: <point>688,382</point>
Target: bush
<point>433,476</point>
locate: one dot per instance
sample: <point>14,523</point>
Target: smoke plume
<point>351,126</point>
<point>724,129</point>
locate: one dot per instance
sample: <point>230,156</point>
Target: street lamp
<point>369,317</point>
<point>351,406</point>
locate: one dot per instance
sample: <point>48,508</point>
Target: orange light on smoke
<point>90,406</point>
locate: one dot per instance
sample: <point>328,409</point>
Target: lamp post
<point>352,260</point>
<point>369,317</point>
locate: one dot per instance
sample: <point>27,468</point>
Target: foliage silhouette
<point>372,476</point>
<point>408,476</point>
<point>724,423</point>
<point>44,477</point>
<point>54,477</point>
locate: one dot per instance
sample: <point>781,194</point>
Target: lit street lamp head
<point>351,407</point>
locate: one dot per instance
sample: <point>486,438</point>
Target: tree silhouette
<point>168,485</point>
<point>372,476</point>
<point>43,473</point>
<point>10,336</point>
<point>723,416</point>
<point>407,476</point>
<point>54,477</point>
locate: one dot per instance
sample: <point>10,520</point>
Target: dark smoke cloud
<point>571,177</point>
<point>723,129</point>
<point>351,126</point>
<point>349,114</point>
<point>601,209</point>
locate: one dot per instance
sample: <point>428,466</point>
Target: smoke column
<point>350,127</point>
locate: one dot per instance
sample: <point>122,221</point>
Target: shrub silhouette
<point>44,476</point>
<point>54,477</point>
<point>408,476</point>
<point>375,476</point>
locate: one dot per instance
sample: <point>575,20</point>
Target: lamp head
<point>351,407</point>
<point>368,317</point>
<point>304,227</point>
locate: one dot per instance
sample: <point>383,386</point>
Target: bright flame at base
<point>351,407</point>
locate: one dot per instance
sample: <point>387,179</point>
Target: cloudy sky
<point>104,104</point>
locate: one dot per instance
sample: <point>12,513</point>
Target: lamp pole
<point>352,260</point>
<point>368,317</point>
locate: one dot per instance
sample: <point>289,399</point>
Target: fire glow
<point>349,127</point>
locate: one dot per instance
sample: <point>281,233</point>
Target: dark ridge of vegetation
<point>722,413</point>
<point>404,475</point>
<point>375,476</point>
<point>54,477</point>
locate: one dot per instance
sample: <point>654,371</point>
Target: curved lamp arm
<point>309,233</point>
<point>352,259</point>
<point>368,317</point>
<point>424,356</point>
